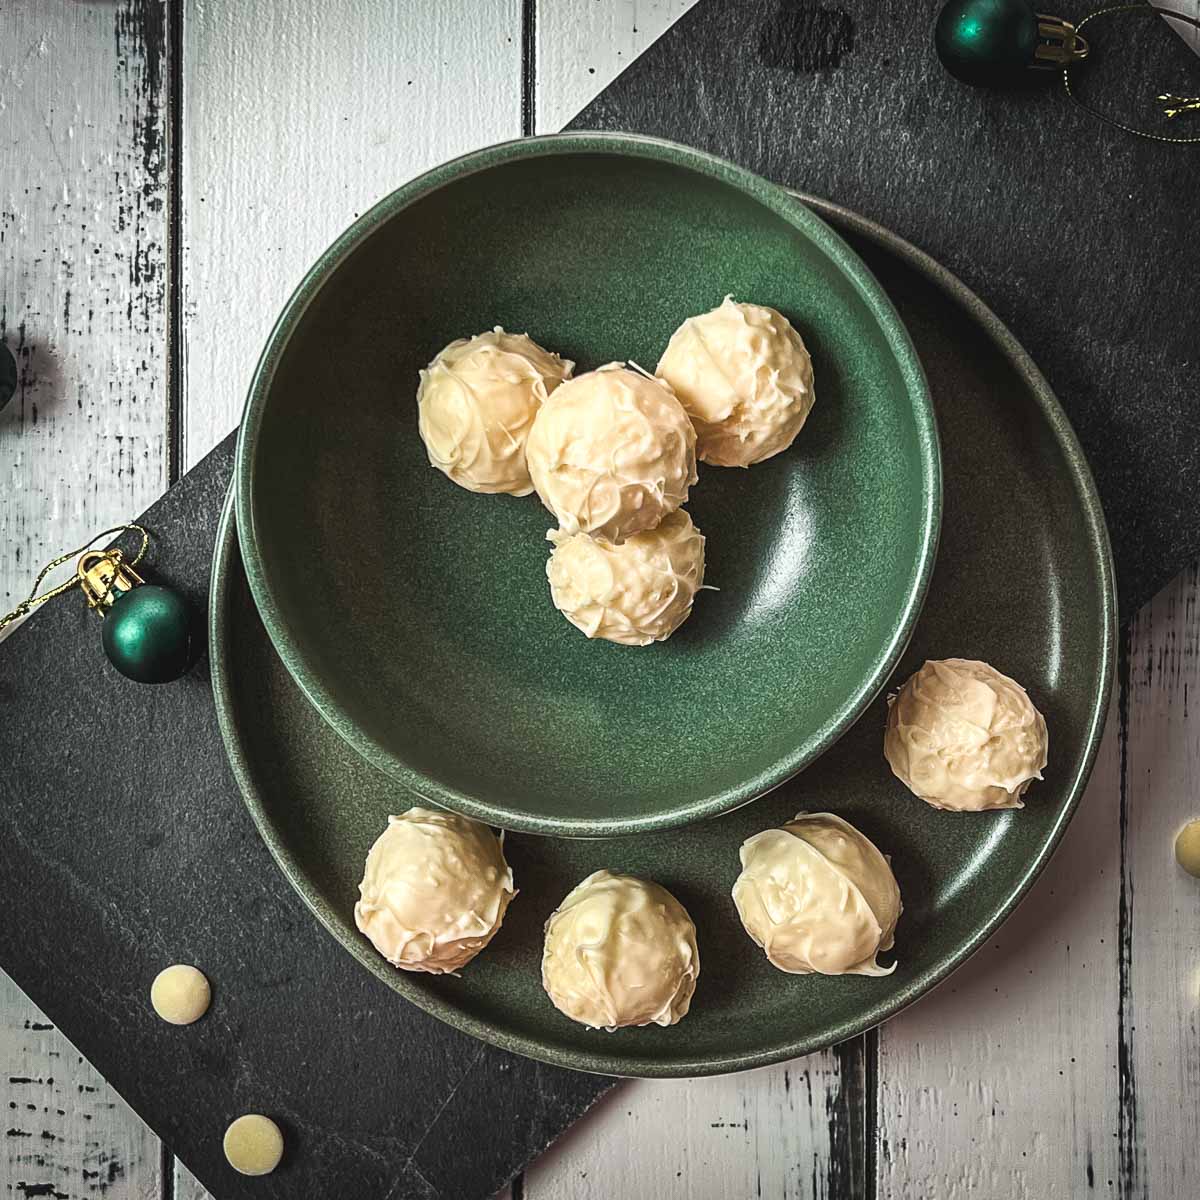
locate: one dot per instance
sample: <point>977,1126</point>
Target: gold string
<point>1189,102</point>
<point>116,556</point>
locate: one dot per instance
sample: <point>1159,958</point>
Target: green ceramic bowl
<point>416,616</point>
<point>1024,580</point>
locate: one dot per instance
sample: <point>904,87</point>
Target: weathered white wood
<point>1063,1056</point>
<point>1003,1082</point>
<point>582,46</point>
<point>82,445</point>
<point>1160,1129</point>
<point>763,1133</point>
<point>187,1186</point>
<point>82,306</point>
<point>298,117</point>
<point>67,1133</point>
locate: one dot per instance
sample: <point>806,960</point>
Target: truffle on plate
<point>636,593</point>
<point>746,379</point>
<point>962,736</point>
<point>476,404</point>
<point>620,951</point>
<point>611,453</point>
<point>434,891</point>
<point>818,896</point>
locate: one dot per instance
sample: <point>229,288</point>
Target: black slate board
<point>1081,238</point>
<point>126,847</point>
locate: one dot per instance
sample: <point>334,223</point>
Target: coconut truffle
<point>434,891</point>
<point>611,453</point>
<point>620,951</point>
<point>962,736</point>
<point>745,378</point>
<point>636,593</point>
<point>476,404</point>
<point>817,896</point>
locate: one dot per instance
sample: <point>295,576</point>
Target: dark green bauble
<point>8,375</point>
<point>987,43</point>
<point>149,634</point>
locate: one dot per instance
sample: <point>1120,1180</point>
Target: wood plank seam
<point>1131,1181</point>
<point>175,342</point>
<point>529,67</point>
<point>83,291</point>
<point>516,1188</point>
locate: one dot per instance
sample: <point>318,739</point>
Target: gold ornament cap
<point>103,574</point>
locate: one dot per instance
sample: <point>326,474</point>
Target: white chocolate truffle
<point>636,593</point>
<point>253,1145</point>
<point>962,736</point>
<point>620,951</point>
<point>746,379</point>
<point>476,404</point>
<point>611,453</point>
<point>180,994</point>
<point>434,891</point>
<point>818,896</point>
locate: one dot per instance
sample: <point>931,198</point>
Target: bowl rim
<point>626,1064</point>
<point>792,210</point>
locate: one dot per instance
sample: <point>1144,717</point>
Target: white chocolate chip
<point>180,994</point>
<point>253,1145</point>
<point>1187,848</point>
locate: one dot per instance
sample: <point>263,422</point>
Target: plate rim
<point>630,1065</point>
<point>710,803</point>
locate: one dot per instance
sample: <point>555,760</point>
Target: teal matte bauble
<point>8,375</point>
<point>987,43</point>
<point>148,634</point>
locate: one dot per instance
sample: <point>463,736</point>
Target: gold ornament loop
<point>1059,43</point>
<point>1095,112</point>
<point>99,593</point>
<point>103,572</point>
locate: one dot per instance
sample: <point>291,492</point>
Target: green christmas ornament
<point>148,631</point>
<point>1003,43</point>
<point>147,634</point>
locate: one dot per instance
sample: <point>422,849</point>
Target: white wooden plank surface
<point>67,1133</point>
<point>1063,1057</point>
<point>82,445</point>
<point>82,301</point>
<point>761,1133</point>
<point>1160,1129</point>
<point>298,117</point>
<point>1003,1082</point>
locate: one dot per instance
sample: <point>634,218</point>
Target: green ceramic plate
<point>1024,580</point>
<point>417,616</point>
